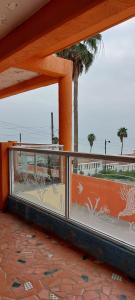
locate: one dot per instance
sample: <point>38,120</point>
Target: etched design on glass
<point>39,185</point>
<point>39,179</point>
<point>128,195</point>
<point>80,188</point>
<point>93,207</point>
<point>22,179</point>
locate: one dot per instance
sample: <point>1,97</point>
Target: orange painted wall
<point>4,172</point>
<point>65,112</point>
<point>108,191</point>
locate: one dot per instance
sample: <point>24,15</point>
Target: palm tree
<point>91,139</point>
<point>55,140</point>
<point>122,133</point>
<point>82,55</point>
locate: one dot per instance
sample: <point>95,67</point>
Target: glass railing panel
<point>40,179</point>
<point>102,197</point>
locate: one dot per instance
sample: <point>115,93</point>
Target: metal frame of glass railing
<point>117,158</point>
<point>68,155</point>
<point>41,146</point>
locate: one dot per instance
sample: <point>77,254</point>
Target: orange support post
<point>4,172</point>
<point>65,112</point>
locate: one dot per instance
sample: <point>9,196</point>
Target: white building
<point>94,167</point>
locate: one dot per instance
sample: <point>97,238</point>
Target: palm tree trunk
<point>121,147</point>
<point>76,111</point>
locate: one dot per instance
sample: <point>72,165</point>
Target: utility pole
<point>105,153</point>
<point>105,147</point>
<point>105,144</point>
<point>20,137</point>
<point>20,140</point>
<point>52,127</point>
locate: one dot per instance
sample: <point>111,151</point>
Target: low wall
<point>113,198</point>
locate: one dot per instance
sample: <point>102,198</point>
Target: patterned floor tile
<point>36,266</point>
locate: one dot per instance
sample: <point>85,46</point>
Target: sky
<point>106,100</point>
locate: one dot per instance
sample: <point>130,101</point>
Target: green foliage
<point>82,54</point>
<point>55,140</point>
<point>122,133</point>
<point>117,175</point>
<point>91,139</point>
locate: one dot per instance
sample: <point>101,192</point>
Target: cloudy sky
<point>106,99</point>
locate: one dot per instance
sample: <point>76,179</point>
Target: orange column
<point>65,112</point>
<point>4,172</point>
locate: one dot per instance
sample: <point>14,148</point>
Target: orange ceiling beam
<point>51,65</point>
<point>46,20</point>
<point>60,24</point>
<point>27,85</point>
<point>51,70</point>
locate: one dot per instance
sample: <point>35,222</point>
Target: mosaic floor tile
<point>36,266</point>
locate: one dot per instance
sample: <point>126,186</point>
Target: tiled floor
<point>36,266</point>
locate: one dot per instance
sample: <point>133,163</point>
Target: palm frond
<point>91,138</point>
<point>93,43</point>
<point>122,133</point>
<point>82,54</point>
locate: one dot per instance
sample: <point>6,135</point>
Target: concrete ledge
<point>101,248</point>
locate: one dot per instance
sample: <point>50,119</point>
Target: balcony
<point>87,200</point>
<point>72,207</point>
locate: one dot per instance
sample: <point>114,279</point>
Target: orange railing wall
<point>109,193</point>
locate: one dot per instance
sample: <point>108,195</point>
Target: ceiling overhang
<point>62,23</point>
<point>13,76</point>
<point>13,13</point>
<point>53,27</point>
<point>33,74</point>
<point>27,85</point>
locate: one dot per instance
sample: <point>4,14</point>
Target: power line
<point>25,130</point>
<point>16,126</point>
